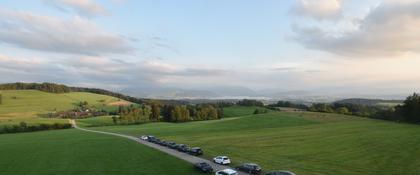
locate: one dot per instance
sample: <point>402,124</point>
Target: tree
<point>155,112</point>
<point>342,110</point>
<point>180,114</point>
<point>114,119</point>
<point>410,110</point>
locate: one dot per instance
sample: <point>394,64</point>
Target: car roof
<point>196,148</point>
<point>229,171</point>
<point>282,172</point>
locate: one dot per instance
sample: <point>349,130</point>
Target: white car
<point>226,172</point>
<point>224,160</point>
<point>143,137</point>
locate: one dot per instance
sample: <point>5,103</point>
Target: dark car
<point>250,168</point>
<point>171,145</point>
<point>163,143</point>
<point>280,173</point>
<point>157,141</point>
<point>204,167</point>
<point>196,151</point>
<point>151,139</point>
<point>182,148</point>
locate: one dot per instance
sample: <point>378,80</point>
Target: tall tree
<point>410,110</point>
<point>155,113</point>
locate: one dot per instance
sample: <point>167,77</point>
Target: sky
<point>323,46</point>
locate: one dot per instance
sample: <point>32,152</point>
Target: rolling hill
<point>303,142</point>
<point>28,105</point>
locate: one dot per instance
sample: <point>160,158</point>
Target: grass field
<point>95,121</point>
<point>306,143</point>
<point>235,111</point>
<point>70,152</point>
<point>26,105</point>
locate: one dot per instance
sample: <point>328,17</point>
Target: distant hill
<point>370,102</point>
<point>60,88</point>
<point>30,105</point>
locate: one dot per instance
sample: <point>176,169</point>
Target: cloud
<point>100,71</point>
<point>390,29</point>
<point>318,9</point>
<point>87,8</point>
<point>71,36</point>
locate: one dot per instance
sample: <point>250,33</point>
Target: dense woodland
<point>168,113</point>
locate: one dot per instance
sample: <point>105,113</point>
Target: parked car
<point>151,138</point>
<point>196,151</point>
<point>157,141</point>
<point>182,148</point>
<point>143,137</point>
<point>204,167</point>
<point>163,143</point>
<point>226,172</point>
<point>280,173</point>
<point>171,145</point>
<point>250,168</point>
<point>224,160</point>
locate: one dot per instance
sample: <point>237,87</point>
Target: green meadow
<point>29,105</point>
<point>306,143</point>
<point>235,111</point>
<point>70,152</point>
<point>303,142</point>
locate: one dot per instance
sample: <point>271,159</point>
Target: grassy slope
<point>235,111</point>
<point>307,143</point>
<point>69,152</point>
<point>29,103</point>
<point>95,121</point>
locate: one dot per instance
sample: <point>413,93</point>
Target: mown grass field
<point>70,152</point>
<point>306,143</point>
<point>235,111</point>
<point>27,105</point>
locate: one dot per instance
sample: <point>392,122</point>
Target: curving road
<point>175,153</point>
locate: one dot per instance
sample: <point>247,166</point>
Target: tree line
<point>59,88</point>
<point>287,104</point>
<point>24,127</point>
<point>167,113</point>
<point>46,87</point>
<point>408,111</point>
<point>248,102</point>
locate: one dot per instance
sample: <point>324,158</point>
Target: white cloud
<point>82,7</point>
<point>318,9</point>
<point>72,36</point>
<point>101,71</point>
<point>390,29</point>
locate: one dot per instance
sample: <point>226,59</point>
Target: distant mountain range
<point>238,92</point>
